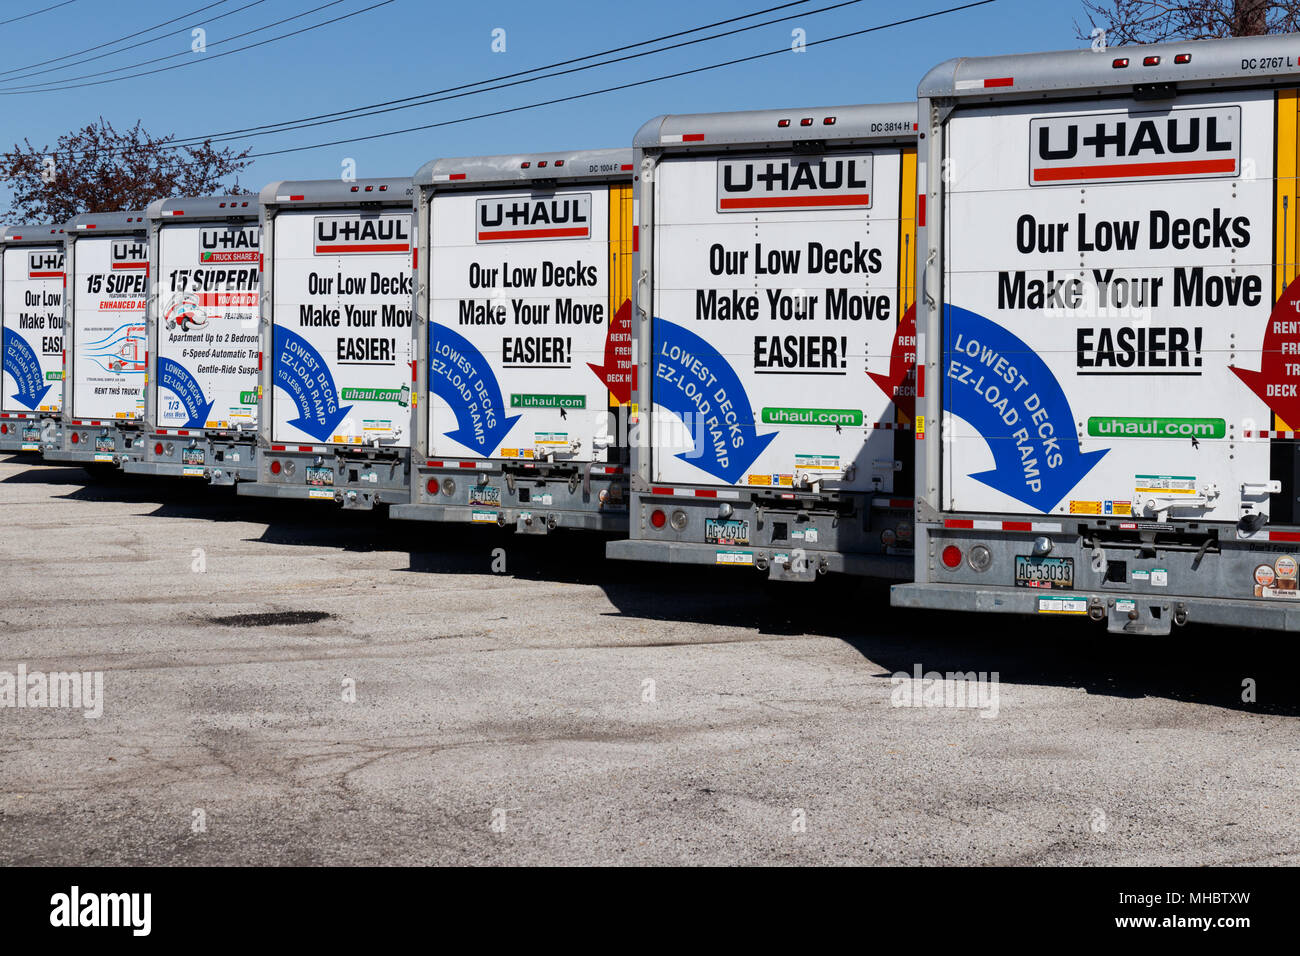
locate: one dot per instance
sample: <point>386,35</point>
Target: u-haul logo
<point>795,182</point>
<point>513,218</point>
<point>1197,143</point>
<point>130,254</point>
<point>45,265</point>
<point>229,244</point>
<point>364,235</point>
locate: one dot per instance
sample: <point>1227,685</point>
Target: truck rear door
<point>111,346</point>
<point>33,328</point>
<point>1108,279</point>
<point>776,287</point>
<point>342,327</point>
<point>207,337</point>
<point>521,319</point>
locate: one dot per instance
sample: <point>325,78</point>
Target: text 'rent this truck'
<point>774,341</point>
<point>1110,331</point>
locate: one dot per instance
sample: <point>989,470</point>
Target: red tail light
<point>951,556</point>
<point>658,518</point>
<point>75,438</point>
<point>432,487</point>
<point>275,467</point>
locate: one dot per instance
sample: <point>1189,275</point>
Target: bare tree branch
<point>98,169</point>
<point>1155,21</point>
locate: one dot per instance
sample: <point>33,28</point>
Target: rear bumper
<point>39,430</point>
<point>263,489</point>
<point>1154,615</point>
<point>223,462</point>
<point>352,479</point>
<point>532,500</point>
<point>524,519</point>
<point>776,563</point>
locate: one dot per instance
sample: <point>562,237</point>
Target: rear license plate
<point>31,433</point>
<point>1044,573</point>
<point>724,531</point>
<point>485,495</point>
<point>103,444</point>
<point>191,456</point>
<point>320,475</point>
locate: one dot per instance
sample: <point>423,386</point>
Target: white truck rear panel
<point>342,335</point>
<point>776,292</point>
<point>207,337</point>
<point>33,328</point>
<point>1097,295</point>
<point>108,368</point>
<point>519,323</point>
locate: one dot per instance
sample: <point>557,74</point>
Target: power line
<point>623,86</point>
<point>100,56</point>
<point>35,87</point>
<point>376,108</point>
<point>129,36</point>
<point>433,96</point>
<point>36,12</point>
<point>216,56</point>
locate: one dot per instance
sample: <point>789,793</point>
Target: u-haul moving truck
<point>200,405</point>
<point>525,366</point>
<point>106,260</point>
<point>336,341</point>
<point>1110,329</point>
<point>774,277</point>
<point>31,300</point>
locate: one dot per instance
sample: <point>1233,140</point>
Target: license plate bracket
<point>320,475</point>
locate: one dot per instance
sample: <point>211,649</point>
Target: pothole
<point>270,619</point>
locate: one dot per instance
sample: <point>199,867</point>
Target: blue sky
<point>412,46</point>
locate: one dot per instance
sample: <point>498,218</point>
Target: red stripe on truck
<point>958,523</point>
<point>793,202</point>
<point>1173,168</point>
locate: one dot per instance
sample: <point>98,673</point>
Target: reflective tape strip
<point>695,493</point>
<point>971,524</point>
<point>984,84</point>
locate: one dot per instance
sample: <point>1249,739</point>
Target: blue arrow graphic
<point>21,362</point>
<point>694,381</point>
<point>174,376</point>
<point>461,377</point>
<point>1007,393</point>
<point>301,371</point>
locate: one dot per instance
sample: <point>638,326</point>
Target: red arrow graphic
<point>617,373</point>
<point>900,383</point>
<point>1278,378</point>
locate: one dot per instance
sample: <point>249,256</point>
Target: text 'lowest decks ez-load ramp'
<point>106,347</point>
<point>200,409</point>
<point>774,344</point>
<point>1110,331</point>
<point>524,279</point>
<point>31,299</point>
<point>336,342</point>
